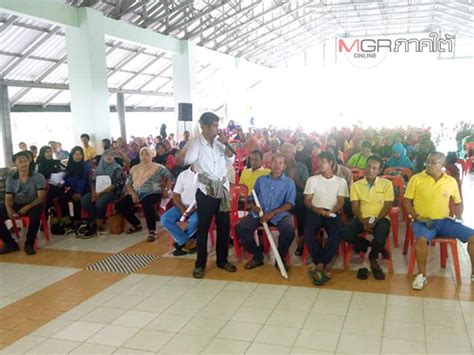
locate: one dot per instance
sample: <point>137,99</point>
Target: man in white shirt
<point>324,196</point>
<point>209,155</point>
<point>184,199</point>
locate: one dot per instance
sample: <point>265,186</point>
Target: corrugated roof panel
<point>13,90</point>
<point>5,60</point>
<point>155,84</point>
<point>63,98</point>
<point>116,57</point>
<point>118,78</point>
<point>137,63</point>
<point>36,95</point>
<point>158,66</point>
<point>136,82</point>
<point>15,39</point>
<point>169,87</point>
<point>149,101</point>
<point>59,75</point>
<point>28,69</point>
<point>54,48</point>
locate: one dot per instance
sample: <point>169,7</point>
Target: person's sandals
<point>378,274</point>
<point>198,273</point>
<point>151,236</point>
<point>363,273</point>
<point>228,267</point>
<point>252,264</point>
<point>134,229</point>
<point>319,277</point>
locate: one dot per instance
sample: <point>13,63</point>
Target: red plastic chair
<point>469,149</point>
<point>25,220</point>
<point>388,247</point>
<point>443,244</point>
<point>398,184</point>
<point>236,191</point>
<point>469,165</point>
<point>357,174</point>
<point>408,235</point>
<point>462,162</point>
<point>266,243</point>
<point>405,172</point>
<point>239,164</point>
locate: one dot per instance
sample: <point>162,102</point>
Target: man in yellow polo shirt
<point>371,199</point>
<point>89,151</point>
<point>250,175</point>
<point>427,200</point>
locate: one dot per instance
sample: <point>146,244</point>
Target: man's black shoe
<point>6,249</point>
<point>30,250</point>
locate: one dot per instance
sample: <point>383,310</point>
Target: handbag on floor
<point>115,224</point>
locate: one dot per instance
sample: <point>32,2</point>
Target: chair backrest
<point>405,172</point>
<point>398,188</point>
<point>236,191</point>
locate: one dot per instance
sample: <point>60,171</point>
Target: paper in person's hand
<point>102,182</point>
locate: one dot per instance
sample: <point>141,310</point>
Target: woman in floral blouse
<point>147,184</point>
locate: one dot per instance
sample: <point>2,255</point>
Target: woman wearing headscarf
<point>147,183</point>
<point>164,158</point>
<point>121,151</point>
<point>46,167</point>
<point>398,158</point>
<point>133,149</point>
<point>76,181</point>
<point>94,202</point>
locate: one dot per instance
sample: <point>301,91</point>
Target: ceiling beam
<point>173,11</point>
<point>53,86</point>
<point>67,108</point>
<point>51,12</point>
<point>196,16</point>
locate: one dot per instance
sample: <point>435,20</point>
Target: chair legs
<point>394,223</point>
<point>443,244</point>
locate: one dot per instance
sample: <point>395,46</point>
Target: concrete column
<point>185,84</point>
<point>5,128</point>
<point>88,76</point>
<point>121,115</point>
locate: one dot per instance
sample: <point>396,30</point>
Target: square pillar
<point>88,76</point>
<point>5,128</point>
<point>185,85</point>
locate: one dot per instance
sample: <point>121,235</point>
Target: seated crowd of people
<point>305,183</point>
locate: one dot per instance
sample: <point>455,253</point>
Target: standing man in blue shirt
<point>277,194</point>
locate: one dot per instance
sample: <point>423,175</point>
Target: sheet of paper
<point>57,179</point>
<point>102,182</point>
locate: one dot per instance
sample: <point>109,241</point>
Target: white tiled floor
<point>20,280</point>
<point>296,320</point>
<point>101,244</point>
